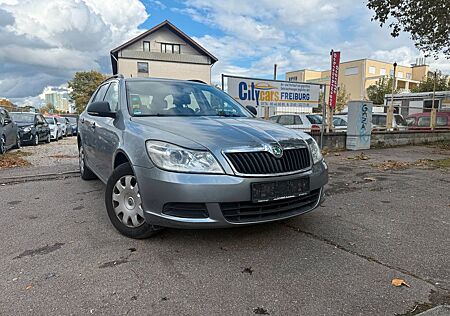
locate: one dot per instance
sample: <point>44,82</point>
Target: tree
<point>342,98</point>
<point>83,85</point>
<point>442,84</point>
<point>5,103</point>
<point>376,92</point>
<point>48,108</point>
<point>426,21</point>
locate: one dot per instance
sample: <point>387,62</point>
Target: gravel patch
<point>63,152</point>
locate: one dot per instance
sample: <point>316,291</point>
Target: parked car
<point>379,122</point>
<point>340,122</point>
<point>63,123</point>
<point>303,122</point>
<point>184,154</point>
<point>32,127</point>
<point>55,128</point>
<point>9,132</point>
<point>74,123</point>
<point>69,129</point>
<point>421,121</point>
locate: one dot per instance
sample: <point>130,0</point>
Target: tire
<point>49,138</point>
<point>36,140</point>
<point>2,145</point>
<point>85,172</point>
<point>18,142</point>
<point>126,205</point>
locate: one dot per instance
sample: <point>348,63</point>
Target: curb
<point>39,177</point>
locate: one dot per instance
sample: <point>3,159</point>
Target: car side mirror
<point>252,109</point>
<point>100,108</point>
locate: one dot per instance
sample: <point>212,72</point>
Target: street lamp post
<point>390,113</point>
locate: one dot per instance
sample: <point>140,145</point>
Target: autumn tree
<point>83,85</point>
<point>426,21</point>
<point>376,92</point>
<point>427,85</point>
<point>48,108</point>
<point>342,98</point>
<point>5,103</point>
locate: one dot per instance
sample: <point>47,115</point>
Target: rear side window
<point>100,93</point>
<point>424,121</point>
<point>441,121</point>
<point>286,120</point>
<point>273,119</point>
<point>112,96</point>
<point>399,120</point>
<point>298,120</point>
<point>379,120</point>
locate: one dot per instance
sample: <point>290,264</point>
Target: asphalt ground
<point>59,254</point>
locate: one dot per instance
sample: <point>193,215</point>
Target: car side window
<point>423,121</point>
<point>338,122</point>
<point>112,96</point>
<point>2,118</point>
<point>298,120</point>
<point>40,119</point>
<point>273,119</point>
<point>410,121</point>
<point>100,93</point>
<point>286,120</point>
<point>441,121</point>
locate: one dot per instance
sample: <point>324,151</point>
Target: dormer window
<point>170,48</point>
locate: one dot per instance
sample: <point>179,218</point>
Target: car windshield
<point>50,120</point>
<point>314,119</point>
<point>72,120</point>
<point>60,120</point>
<point>156,98</point>
<point>23,117</point>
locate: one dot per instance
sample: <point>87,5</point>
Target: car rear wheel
<point>2,145</point>
<point>86,173</point>
<point>124,204</point>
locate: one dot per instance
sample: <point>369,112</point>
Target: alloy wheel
<point>36,139</point>
<point>127,202</point>
<point>19,143</point>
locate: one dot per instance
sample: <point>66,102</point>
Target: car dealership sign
<point>262,92</point>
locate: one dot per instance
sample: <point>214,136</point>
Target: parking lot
<point>381,220</point>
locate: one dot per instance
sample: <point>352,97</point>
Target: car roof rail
<point>119,76</point>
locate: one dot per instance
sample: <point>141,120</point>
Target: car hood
<point>222,133</point>
<point>24,124</point>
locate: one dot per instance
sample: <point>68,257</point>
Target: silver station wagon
<point>185,154</point>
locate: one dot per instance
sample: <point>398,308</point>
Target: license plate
<point>270,191</point>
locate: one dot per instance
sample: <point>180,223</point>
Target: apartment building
<point>163,52</point>
<point>358,75</point>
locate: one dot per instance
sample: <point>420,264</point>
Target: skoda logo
<point>277,151</point>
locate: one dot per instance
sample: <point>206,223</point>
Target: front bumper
<point>26,137</point>
<point>159,188</point>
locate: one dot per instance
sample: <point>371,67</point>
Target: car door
<point>88,125</point>
<point>9,129</point>
<point>107,139</point>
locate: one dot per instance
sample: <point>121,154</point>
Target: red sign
<point>335,57</point>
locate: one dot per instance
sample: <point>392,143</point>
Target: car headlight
<point>27,129</point>
<point>315,150</point>
<point>174,158</point>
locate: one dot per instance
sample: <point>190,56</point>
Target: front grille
<point>245,212</point>
<point>263,162</point>
<point>186,210</point>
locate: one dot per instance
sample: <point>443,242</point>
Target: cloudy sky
<point>44,42</point>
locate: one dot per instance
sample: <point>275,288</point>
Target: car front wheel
<point>36,140</point>
<point>18,142</point>
<point>124,204</point>
<point>2,145</point>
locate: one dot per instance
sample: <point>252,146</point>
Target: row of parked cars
<point>313,122</point>
<point>25,128</point>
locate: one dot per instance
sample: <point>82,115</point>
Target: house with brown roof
<point>163,52</point>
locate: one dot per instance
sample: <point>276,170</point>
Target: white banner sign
<point>260,92</point>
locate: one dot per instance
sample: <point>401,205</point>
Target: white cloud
<point>45,42</point>
<point>296,34</point>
